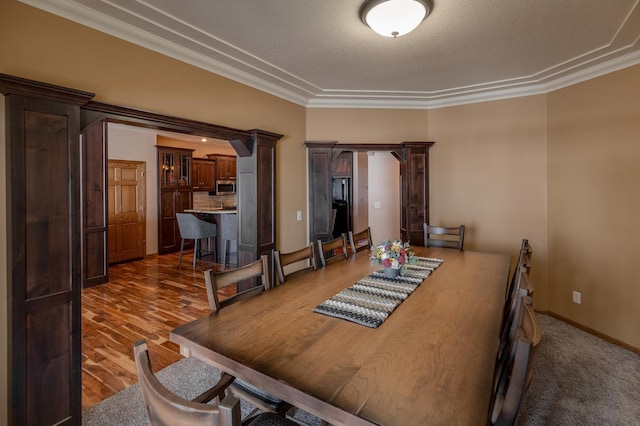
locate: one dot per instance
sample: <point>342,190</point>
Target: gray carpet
<point>578,379</point>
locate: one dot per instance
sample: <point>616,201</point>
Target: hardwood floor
<point>143,299</point>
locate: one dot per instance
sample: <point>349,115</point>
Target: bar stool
<point>228,233</point>
<point>192,228</point>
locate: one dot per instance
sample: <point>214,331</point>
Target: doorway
<point>126,210</point>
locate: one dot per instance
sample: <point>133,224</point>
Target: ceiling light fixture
<point>395,18</point>
<point>203,140</point>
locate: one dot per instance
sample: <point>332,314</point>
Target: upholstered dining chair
<point>215,281</point>
<point>446,237</point>
<point>360,241</point>
<point>285,259</point>
<point>166,408</point>
<point>332,251</point>
<point>193,228</point>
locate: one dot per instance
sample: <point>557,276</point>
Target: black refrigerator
<point>342,206</point>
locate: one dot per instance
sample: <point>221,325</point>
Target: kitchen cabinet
<point>204,175</point>
<point>341,164</point>
<point>225,166</point>
<point>175,195</point>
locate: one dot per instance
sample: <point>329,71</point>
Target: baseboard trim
<point>594,332</point>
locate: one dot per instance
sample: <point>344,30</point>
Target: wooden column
<point>256,196</point>
<point>44,237</point>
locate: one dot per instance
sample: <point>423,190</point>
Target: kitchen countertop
<point>211,211</point>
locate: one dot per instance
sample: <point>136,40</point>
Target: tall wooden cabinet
<point>44,234</point>
<point>175,195</point>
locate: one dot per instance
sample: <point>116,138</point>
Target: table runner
<point>372,299</point>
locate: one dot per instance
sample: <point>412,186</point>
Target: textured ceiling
<point>318,53</point>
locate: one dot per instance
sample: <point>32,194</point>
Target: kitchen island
<point>226,219</point>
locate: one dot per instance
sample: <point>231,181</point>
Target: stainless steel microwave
<point>225,187</point>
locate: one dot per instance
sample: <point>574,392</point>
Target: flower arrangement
<point>391,254</point>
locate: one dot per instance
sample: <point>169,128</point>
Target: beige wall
<point>43,47</point>
<point>488,171</point>
<point>594,203</point>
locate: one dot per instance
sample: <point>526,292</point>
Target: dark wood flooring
<point>144,299</point>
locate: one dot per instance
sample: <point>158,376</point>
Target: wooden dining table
<point>430,363</point>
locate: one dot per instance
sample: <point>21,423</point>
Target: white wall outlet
<point>298,215</point>
<point>577,297</point>
<point>376,204</point>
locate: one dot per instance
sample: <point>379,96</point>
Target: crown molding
<point>262,76</point>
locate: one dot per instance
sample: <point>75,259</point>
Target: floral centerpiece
<point>393,255</point>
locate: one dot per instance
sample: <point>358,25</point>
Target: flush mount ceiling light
<point>394,18</point>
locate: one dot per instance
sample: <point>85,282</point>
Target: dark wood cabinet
<point>414,183</point>
<point>320,191</point>
<point>175,195</point>
<point>204,175</point>
<point>225,166</point>
<point>341,164</point>
<point>44,234</point>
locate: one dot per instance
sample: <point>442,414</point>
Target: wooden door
<point>127,207</point>
<point>44,235</point>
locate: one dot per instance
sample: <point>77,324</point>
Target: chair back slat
<point>453,237</point>
<point>285,259</point>
<point>332,251</point>
<point>215,281</point>
<point>360,241</point>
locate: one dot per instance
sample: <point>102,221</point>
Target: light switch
<point>299,216</point>
<point>376,205</point>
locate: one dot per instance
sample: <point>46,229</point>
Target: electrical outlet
<point>577,297</point>
<point>298,215</point>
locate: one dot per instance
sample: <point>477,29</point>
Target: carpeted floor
<point>578,379</point>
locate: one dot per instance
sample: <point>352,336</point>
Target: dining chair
<point>165,408</point>
<point>524,258</point>
<point>360,241</point>
<point>531,329</point>
<point>332,251</point>
<point>215,281</point>
<point>511,388</point>
<point>282,260</point>
<point>446,237</point>
<point>193,228</point>
<point>511,311</point>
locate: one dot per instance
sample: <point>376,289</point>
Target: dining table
<point>430,362</point>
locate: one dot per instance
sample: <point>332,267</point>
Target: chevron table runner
<point>372,299</point>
